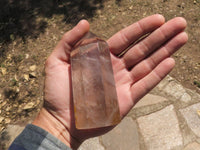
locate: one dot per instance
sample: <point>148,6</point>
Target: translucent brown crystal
<point>94,91</point>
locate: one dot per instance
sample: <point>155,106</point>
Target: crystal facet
<point>94,92</point>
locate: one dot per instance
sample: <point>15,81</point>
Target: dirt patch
<point>29,36</point>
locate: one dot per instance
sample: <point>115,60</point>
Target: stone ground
<point>31,29</point>
<point>168,118</point>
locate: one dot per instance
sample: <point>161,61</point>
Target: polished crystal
<point>94,92</point>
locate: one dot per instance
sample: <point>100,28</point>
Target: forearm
<point>34,137</point>
<point>51,124</point>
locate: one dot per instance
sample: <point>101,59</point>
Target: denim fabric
<point>16,147</point>
<point>35,138</point>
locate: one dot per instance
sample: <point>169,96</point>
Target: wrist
<point>51,124</point>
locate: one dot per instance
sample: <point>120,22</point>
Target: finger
<point>154,41</point>
<point>121,40</point>
<point>64,47</point>
<point>147,65</point>
<point>143,86</point>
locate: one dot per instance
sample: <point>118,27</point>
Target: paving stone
<point>173,88</point>
<point>177,90</point>
<point>192,117</point>
<point>160,130</point>
<point>123,137</point>
<point>164,83</point>
<point>185,97</point>
<point>192,146</point>
<point>91,144</point>
<point>150,99</point>
<point>148,104</point>
<point>198,140</point>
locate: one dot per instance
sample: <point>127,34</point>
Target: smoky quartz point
<point>93,85</point>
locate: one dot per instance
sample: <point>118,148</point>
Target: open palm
<point>139,70</point>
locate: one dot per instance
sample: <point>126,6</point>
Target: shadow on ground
<point>26,18</point>
<point>4,137</point>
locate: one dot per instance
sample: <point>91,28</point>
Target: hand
<point>140,69</point>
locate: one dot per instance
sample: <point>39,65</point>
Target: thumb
<point>69,39</point>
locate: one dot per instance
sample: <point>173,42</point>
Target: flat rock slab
<point>91,144</point>
<point>173,88</point>
<point>150,99</point>
<point>160,130</point>
<point>123,137</point>
<point>192,146</point>
<point>192,117</point>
